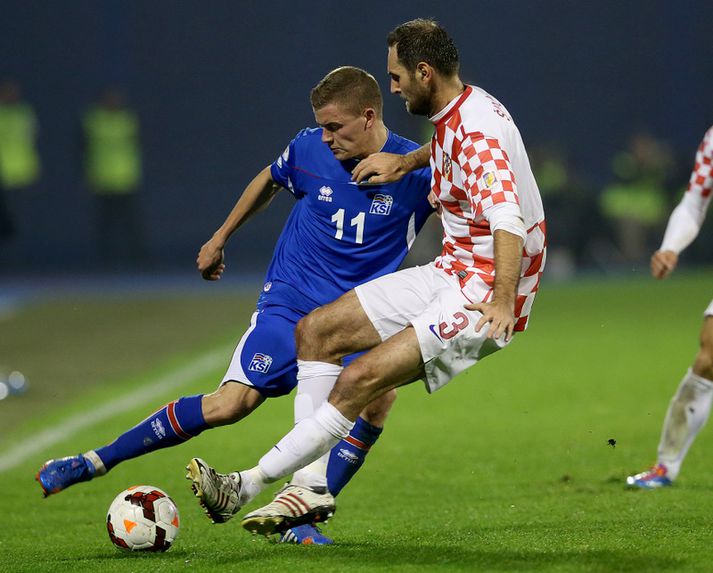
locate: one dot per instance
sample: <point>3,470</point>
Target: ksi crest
<point>381,205</point>
<point>260,363</point>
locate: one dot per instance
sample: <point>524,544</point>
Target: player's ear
<point>423,71</point>
<point>370,115</point>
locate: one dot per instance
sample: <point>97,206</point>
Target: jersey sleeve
<point>487,173</point>
<point>686,220</point>
<point>701,181</point>
<point>283,168</point>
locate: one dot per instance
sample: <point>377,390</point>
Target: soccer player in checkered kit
<point>691,405</point>
<point>430,322</point>
<point>339,234</point>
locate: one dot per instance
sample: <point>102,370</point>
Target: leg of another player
<point>334,331</point>
<point>334,470</point>
<point>230,403</point>
<point>323,338</point>
<point>180,421</point>
<point>687,414</point>
<point>312,391</point>
<point>347,457</point>
<point>393,363</point>
<point>174,423</point>
<point>690,406</point>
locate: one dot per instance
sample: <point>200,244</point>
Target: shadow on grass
<point>433,557</point>
<point>491,559</point>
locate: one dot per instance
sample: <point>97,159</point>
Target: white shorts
<point>432,302</point>
<point>709,310</point>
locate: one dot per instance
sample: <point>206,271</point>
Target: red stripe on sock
<point>174,422</point>
<point>357,443</point>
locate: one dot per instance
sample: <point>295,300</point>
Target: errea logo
<point>325,194</point>
<point>348,456</point>
<point>158,428</point>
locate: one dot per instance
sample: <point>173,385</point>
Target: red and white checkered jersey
<point>686,220</point>
<point>478,163</point>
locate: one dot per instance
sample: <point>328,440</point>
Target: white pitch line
<point>38,442</point>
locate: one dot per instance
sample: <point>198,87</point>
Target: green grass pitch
<point>506,469</point>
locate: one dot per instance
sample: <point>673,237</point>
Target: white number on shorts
<point>357,222</point>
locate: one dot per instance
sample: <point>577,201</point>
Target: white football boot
<point>293,505</point>
<point>219,494</point>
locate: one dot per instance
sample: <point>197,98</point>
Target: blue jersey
<point>339,234</point>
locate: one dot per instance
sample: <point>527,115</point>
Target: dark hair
<point>351,87</point>
<point>424,40</point>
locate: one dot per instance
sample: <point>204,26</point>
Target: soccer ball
<point>142,518</point>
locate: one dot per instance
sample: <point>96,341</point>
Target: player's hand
<point>663,263</point>
<point>435,203</point>
<point>210,260</point>
<point>499,315</point>
<point>380,168</point>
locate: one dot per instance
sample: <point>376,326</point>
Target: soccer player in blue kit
<point>338,235</point>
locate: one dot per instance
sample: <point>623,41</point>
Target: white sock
<point>307,441</point>
<point>315,382</point>
<point>253,481</point>
<point>687,414</point>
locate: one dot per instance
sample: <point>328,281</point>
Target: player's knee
<point>360,379</point>
<point>229,404</point>
<point>703,366</point>
<point>377,411</point>
<point>312,338</point>
<point>303,336</point>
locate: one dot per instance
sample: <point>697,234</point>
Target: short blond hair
<point>350,87</point>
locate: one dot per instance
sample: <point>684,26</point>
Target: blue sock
<point>349,454</point>
<point>173,424</point>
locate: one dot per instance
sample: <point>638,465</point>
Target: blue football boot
<point>652,478</point>
<point>305,535</point>
<point>56,475</point>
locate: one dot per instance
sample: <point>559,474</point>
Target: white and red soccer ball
<point>142,518</point>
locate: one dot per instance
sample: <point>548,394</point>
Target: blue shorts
<point>266,357</point>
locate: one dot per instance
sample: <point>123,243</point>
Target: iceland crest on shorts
<point>260,363</point>
<point>381,205</point>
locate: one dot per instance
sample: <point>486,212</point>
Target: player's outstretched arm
<point>663,263</point>
<point>687,218</point>
<point>500,311</point>
<point>387,167</point>
<point>257,195</point>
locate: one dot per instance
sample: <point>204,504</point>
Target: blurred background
<point>129,128</point>
<point>132,127</point>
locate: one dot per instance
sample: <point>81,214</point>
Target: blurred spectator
<point>112,161</point>
<point>570,223</point>
<point>637,203</point>
<point>19,160</point>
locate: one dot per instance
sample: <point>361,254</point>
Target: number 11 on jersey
<point>358,222</point>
